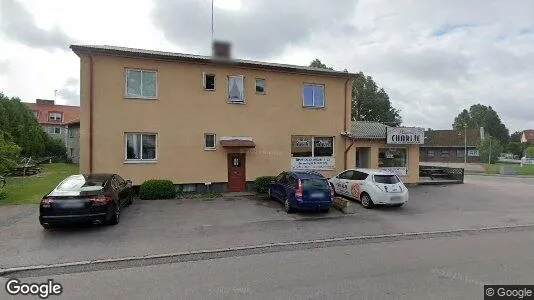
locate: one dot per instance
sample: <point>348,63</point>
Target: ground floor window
<point>141,146</point>
<point>312,152</point>
<point>393,159</point>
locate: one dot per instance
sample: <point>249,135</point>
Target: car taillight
<point>101,200</point>
<point>298,192</point>
<point>46,202</point>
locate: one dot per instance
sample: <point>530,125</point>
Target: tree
<point>516,148</point>
<point>369,102</point>
<point>9,153</point>
<point>516,136</point>
<point>482,116</point>
<point>529,152</point>
<point>489,149</point>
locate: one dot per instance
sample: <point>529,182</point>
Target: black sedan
<point>96,198</point>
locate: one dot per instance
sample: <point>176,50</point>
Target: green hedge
<point>3,194</point>
<point>261,184</point>
<point>157,189</point>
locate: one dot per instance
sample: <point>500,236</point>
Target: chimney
<point>481,133</point>
<point>221,50</point>
<point>44,102</point>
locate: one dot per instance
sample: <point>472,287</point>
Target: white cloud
<point>433,57</point>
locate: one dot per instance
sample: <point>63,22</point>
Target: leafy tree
<point>516,136</point>
<point>9,153</point>
<point>489,149</point>
<point>480,115</point>
<point>516,148</point>
<point>369,101</point>
<point>529,152</point>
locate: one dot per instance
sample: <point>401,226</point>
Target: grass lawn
<point>496,168</point>
<point>32,189</point>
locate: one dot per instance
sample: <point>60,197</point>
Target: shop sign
<point>312,163</point>
<point>405,135</point>
<point>472,152</point>
<point>302,143</point>
<point>399,171</point>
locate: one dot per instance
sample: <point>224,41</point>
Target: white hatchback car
<point>371,186</point>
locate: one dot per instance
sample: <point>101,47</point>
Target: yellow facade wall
<point>375,145</point>
<point>184,112</point>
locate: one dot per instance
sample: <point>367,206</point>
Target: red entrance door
<point>236,172</point>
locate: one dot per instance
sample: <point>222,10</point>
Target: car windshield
<point>386,179</point>
<point>315,184</point>
<point>79,183</point>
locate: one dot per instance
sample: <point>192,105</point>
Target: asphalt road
<point>158,227</point>
<point>437,268</point>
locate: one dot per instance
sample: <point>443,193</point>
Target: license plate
<point>72,204</point>
<point>317,195</point>
<point>396,198</point>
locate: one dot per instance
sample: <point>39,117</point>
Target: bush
<point>529,152</point>
<point>3,194</point>
<point>261,184</point>
<point>157,189</point>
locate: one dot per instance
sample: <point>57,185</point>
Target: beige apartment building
<point>209,120</point>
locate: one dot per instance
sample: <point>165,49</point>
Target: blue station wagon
<point>302,190</point>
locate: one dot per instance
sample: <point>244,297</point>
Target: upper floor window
<point>236,89</point>
<point>209,141</point>
<point>54,130</point>
<point>36,114</point>
<point>141,84</point>
<point>260,86</point>
<point>209,82</point>
<point>55,116</point>
<point>313,95</point>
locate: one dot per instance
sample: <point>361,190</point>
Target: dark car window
<point>316,184</point>
<point>293,182</point>
<point>386,179</point>
<point>360,176</point>
<point>347,174</point>
<point>78,183</point>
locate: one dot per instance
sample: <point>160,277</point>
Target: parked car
<point>96,198</point>
<point>370,187</point>
<point>302,190</point>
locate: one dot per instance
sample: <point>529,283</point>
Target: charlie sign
<point>405,135</point>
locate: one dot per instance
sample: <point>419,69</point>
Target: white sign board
<point>527,161</point>
<point>472,152</point>
<point>312,163</point>
<point>405,135</point>
<point>400,171</point>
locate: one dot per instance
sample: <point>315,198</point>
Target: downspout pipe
<point>91,79</point>
<point>345,121</point>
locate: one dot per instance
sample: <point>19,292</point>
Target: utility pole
<point>465,146</point>
<point>489,161</point>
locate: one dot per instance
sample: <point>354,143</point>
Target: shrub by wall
<point>261,184</point>
<point>157,189</point>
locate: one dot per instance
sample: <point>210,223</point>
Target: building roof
<point>191,58</point>
<point>367,130</point>
<point>529,134</point>
<point>451,138</point>
<point>70,113</point>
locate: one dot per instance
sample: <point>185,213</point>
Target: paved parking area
<point>157,227</point>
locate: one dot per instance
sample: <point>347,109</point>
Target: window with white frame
<point>141,83</point>
<point>141,146</point>
<point>55,116</point>
<point>36,114</point>
<point>209,82</point>
<point>313,95</point>
<point>312,146</point>
<point>236,92</point>
<point>54,130</point>
<point>260,86</point>
<point>209,141</point>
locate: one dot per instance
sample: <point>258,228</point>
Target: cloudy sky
<point>433,57</point>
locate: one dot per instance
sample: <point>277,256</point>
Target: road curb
<point>499,175</point>
<point>222,251</point>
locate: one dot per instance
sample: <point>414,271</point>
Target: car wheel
<point>366,201</point>
<point>115,218</point>
<point>325,210</point>
<point>47,226</point>
<point>287,206</point>
<point>269,195</point>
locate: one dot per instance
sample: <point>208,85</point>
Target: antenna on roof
<point>212,22</point>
